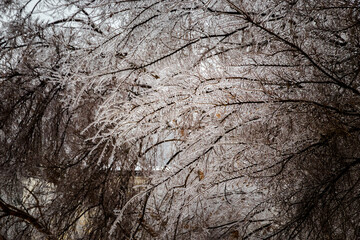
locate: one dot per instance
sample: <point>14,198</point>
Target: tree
<point>250,108</point>
<point>55,183</point>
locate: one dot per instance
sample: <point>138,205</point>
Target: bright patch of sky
<point>48,12</point>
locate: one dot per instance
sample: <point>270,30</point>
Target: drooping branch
<point>24,216</point>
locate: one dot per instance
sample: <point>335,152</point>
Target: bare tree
<point>258,94</point>
<point>55,182</point>
<point>249,108</point>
